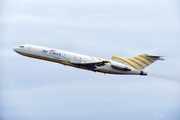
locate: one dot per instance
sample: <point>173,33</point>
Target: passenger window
<point>21,46</point>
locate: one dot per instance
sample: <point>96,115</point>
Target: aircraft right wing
<point>91,65</point>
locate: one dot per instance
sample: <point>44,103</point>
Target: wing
<point>91,65</point>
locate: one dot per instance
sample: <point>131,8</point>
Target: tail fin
<point>140,62</point>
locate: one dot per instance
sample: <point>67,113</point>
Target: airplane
<point>117,65</point>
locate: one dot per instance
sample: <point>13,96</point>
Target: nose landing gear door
<point>29,48</point>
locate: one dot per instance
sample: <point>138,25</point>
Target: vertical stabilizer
<point>140,62</point>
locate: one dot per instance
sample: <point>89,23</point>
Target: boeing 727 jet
<point>117,65</point>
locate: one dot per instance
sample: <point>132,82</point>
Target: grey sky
<point>41,90</point>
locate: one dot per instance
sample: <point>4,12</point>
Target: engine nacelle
<point>143,73</point>
<point>120,67</point>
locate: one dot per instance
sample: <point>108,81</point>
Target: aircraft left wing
<point>91,65</point>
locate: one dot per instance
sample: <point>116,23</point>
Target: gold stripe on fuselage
<point>99,59</point>
<point>108,61</point>
<point>91,57</point>
<point>64,63</point>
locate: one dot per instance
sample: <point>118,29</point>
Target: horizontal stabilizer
<point>154,56</point>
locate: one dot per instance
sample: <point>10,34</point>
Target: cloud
<point>96,1</point>
<point>38,89</point>
<point>30,19</point>
<point>87,98</point>
<point>158,115</point>
<point>115,15</point>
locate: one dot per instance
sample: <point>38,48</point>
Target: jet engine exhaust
<point>143,73</point>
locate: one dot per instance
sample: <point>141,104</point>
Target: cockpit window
<point>21,46</point>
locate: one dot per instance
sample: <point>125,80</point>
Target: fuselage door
<point>29,48</point>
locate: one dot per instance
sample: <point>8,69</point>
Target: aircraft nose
<point>15,49</point>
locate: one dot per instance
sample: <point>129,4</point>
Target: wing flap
<point>91,65</point>
<point>87,63</point>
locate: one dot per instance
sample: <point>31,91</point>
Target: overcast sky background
<point>33,89</point>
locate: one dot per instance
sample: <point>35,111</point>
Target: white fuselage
<point>69,58</point>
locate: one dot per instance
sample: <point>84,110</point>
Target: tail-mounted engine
<point>120,67</point>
